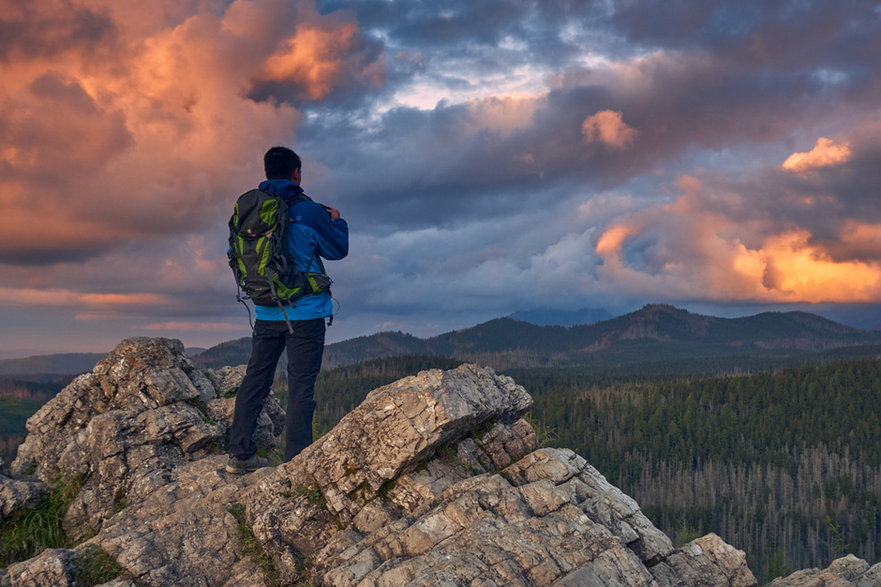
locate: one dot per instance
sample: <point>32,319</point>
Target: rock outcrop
<point>16,494</point>
<point>433,480</point>
<point>848,571</point>
<point>123,428</point>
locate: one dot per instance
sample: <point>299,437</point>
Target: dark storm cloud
<point>27,30</point>
<point>823,201</point>
<point>474,31</point>
<point>446,158</point>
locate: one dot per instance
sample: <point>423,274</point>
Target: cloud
<point>826,152</point>
<point>28,29</point>
<point>319,60</point>
<point>454,158</point>
<point>608,128</point>
<point>194,326</point>
<point>784,37</point>
<point>69,298</point>
<point>799,271</point>
<point>764,237</point>
<point>145,137</point>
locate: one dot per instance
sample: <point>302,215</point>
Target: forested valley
<point>18,401</point>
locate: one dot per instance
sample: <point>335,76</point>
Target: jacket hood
<point>282,188</point>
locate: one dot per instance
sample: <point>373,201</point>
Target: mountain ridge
<point>654,332</point>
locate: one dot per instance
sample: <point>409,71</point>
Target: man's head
<point>281,163</point>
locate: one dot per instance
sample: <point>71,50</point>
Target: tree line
<point>783,464</point>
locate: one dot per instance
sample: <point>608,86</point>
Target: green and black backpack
<point>263,268</point>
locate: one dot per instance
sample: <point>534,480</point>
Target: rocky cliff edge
<point>433,480</point>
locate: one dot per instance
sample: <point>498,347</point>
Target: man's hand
<point>334,213</point>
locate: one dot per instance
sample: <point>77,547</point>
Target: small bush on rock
<point>32,530</point>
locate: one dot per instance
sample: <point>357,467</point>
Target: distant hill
<point>231,352</point>
<point>348,352</point>
<point>57,364</point>
<point>51,367</point>
<point>654,333</point>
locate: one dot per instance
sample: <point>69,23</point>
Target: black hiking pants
<point>305,348</point>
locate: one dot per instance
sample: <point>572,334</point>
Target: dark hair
<point>280,163</point>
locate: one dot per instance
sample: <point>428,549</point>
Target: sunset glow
<point>608,128</point>
<point>592,157</point>
<point>825,153</point>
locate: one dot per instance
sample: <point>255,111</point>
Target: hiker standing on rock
<point>290,308</point>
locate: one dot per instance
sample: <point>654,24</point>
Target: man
<point>313,231</point>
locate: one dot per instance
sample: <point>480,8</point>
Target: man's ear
<point>297,176</point>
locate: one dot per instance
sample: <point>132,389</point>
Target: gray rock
<point>16,494</point>
<point>548,519</point>
<point>430,506</point>
<point>847,571</point>
<point>871,578</point>
<point>397,426</point>
<point>848,567</point>
<point>54,567</point>
<point>121,429</point>
<point>182,531</point>
<point>705,561</point>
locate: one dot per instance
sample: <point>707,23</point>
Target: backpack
<point>263,268</point>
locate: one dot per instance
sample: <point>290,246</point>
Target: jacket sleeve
<point>333,239</point>
<point>331,236</point>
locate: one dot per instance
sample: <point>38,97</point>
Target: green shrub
<point>93,566</point>
<point>253,548</point>
<point>31,530</point>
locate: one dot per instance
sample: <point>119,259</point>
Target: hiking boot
<point>239,466</point>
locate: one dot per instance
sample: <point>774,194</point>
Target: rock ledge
<point>433,480</point>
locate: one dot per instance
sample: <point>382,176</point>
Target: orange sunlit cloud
<point>145,133</point>
<point>705,253</point>
<point>505,113</point>
<point>317,58</point>
<point>607,127</point>
<point>68,298</point>
<point>862,238</point>
<point>194,326</point>
<point>800,271</point>
<point>825,153</point>
<point>609,244</point>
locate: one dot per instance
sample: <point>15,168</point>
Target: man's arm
<point>336,246</point>
<point>331,232</point>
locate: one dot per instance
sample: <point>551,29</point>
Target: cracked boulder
<point>847,571</point>
<point>435,479</point>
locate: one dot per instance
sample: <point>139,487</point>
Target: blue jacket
<point>310,234</point>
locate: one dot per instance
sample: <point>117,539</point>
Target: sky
<point>490,156</point>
